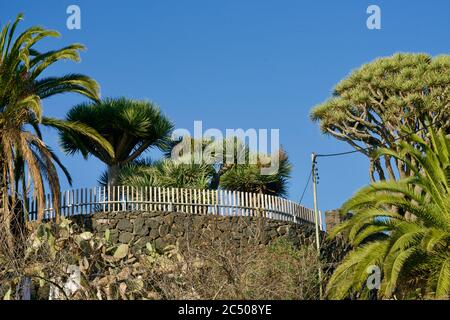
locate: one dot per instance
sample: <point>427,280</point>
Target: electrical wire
<point>306,187</point>
<point>354,151</point>
<point>368,148</point>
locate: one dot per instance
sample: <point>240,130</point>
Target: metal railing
<point>194,201</point>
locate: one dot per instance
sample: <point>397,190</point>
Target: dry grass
<point>207,268</point>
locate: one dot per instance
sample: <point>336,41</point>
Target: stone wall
<point>168,228</point>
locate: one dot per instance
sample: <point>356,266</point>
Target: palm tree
<point>207,164</point>
<point>25,160</point>
<point>248,177</point>
<point>241,174</point>
<point>412,251</point>
<point>130,126</point>
<point>23,152</point>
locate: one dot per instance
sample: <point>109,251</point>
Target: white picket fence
<point>194,201</point>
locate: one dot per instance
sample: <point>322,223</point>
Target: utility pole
<point>316,215</point>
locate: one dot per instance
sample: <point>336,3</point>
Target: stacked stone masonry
<point>167,228</point>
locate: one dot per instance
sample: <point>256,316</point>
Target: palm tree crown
<point>130,126</point>
<point>248,177</point>
<point>411,250</point>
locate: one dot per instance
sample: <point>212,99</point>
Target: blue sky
<point>236,64</point>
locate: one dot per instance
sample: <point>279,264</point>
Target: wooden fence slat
<point>255,204</point>
<point>270,206</point>
<point>81,212</point>
<point>90,200</point>
<point>81,201</point>
<point>202,195</point>
<point>68,203</point>
<point>96,197</point>
<point>109,198</point>
<point>293,211</point>
<point>285,209</point>
<point>156,189</point>
<point>233,203</point>
<point>86,201</point>
<point>177,199</point>
<point>166,199</point>
<point>115,198</point>
<point>141,198</point>
<point>247,204</point>
<point>277,205</point>
<point>151,198</point>
<point>240,210</point>
<point>230,203</point>
<point>290,211</point>
<point>72,203</point>
<point>197,201</point>
<point>260,205</point>
<point>172,196</point>
<point>224,202</point>
<point>219,202</point>
<point>156,195</point>
<point>189,201</point>
<point>182,197</point>
<point>208,200</point>
<point>266,206</point>
<point>145,198</point>
<point>152,194</point>
<point>173,199</point>
<point>273,206</point>
<point>288,207</point>
<point>281,209</point>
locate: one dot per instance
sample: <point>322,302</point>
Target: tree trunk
<point>7,237</point>
<point>113,174</point>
